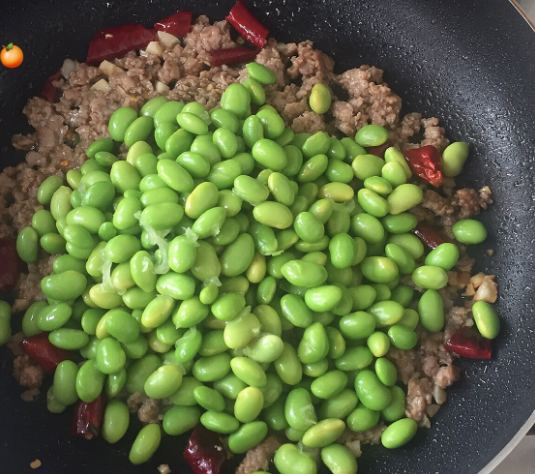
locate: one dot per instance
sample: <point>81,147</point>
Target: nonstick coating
<point>469,63</point>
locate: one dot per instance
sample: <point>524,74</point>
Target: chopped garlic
<point>101,85</point>
<point>167,40</point>
<point>109,69</point>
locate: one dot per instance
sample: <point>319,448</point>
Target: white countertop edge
<point>510,446</point>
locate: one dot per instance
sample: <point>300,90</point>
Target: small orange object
<point>64,163</point>
<point>11,56</point>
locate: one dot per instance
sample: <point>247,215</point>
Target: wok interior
<point>444,59</point>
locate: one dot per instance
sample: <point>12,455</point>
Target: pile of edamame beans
<point>248,274</point>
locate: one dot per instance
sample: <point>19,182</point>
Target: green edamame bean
<point>379,269</point>
<point>272,122</point>
<point>47,189</point>
<point>65,286</point>
<point>339,459</point>
<point>288,460</point>
<point>219,422</point>
<point>365,166</point>
<point>29,320</point>
<point>303,273</point>
<point>273,214</point>
<point>399,433</point>
<point>53,243</point>
<point>410,319</point>
<point>313,168</point>
<point>247,436</point>
<point>298,410</point>
<point>314,345</point>
<point>445,256</point>
<point>429,277</point>
<point>211,368</point>
<point>454,157</point>
<point>27,244</point>
<point>265,349</point>
<point>288,366</point>
<point>329,385</point>
<point>249,371</point>
<point>378,343</point>
<point>362,419</point>
<point>403,198</point>
<point>469,231</point>
<point>269,154</point>
<point>396,409</point>
<point>409,242</point>
<point>295,310</point>
<point>401,257</point>
<point>431,311</point>
<point>339,406</point>
<point>119,122</point>
<point>402,337</point>
<point>372,393</point>
<point>248,405</point>
<point>354,358</point>
<point>189,313</point>
<point>323,298</point>
<point>486,319</point>
<point>43,222</point>
<point>180,419</point>
<point>146,443</point>
<point>371,135</point>
<point>363,297</point>
<point>320,99</point>
<point>163,382</point>
<point>68,339</point>
<point>115,422</point>
<point>121,248</point>
<point>175,176</point>
<point>182,254</point>
<point>64,386</point>
<point>308,227</point>
<point>386,371</point>
<point>400,223</point>
<point>54,316</point>
<point>386,313</point>
<point>236,99</point>
<point>111,357</point>
<point>368,228</point>
<point>258,95</point>
<point>99,195</point>
<point>138,130</point>
<point>342,250</point>
<point>89,382</point>
<point>324,433</point>
<point>261,73</point>
<point>372,203</point>
<point>207,264</point>
<point>241,330</point>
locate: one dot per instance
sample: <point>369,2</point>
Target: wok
<point>469,63</point>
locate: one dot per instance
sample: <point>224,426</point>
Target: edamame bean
<point>119,122</point>
<point>429,277</point>
<point>236,99</point>
<point>249,371</point>
<point>146,443</point>
<point>329,385</point>
<point>362,419</point>
<point>368,228</point>
<point>219,422</point>
<point>249,403</point>
<point>486,319</point>
<point>378,343</point>
<point>269,154</point>
<point>298,410</point>
<point>339,459</point>
<point>325,432</point>
<point>399,433</point>
<point>111,357</point>
<point>288,366</point>
<point>365,166</point>
<point>66,286</point>
<point>27,244</point>
<point>115,422</point>
<point>320,98</point>
<point>180,419</point>
<point>372,393</point>
<point>454,158</point>
<point>288,460</point>
<point>64,386</point>
<point>339,406</point>
<point>314,345</point>
<point>379,269</point>
<point>89,382</point>
<point>323,298</point>
<point>354,358</point>
<point>247,436</point>
<point>402,337</point>
<point>403,198</point>
<point>211,368</point>
<point>469,231</point>
<point>431,311</point>
<point>48,187</point>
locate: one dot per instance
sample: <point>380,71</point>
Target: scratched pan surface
<point>469,63</point>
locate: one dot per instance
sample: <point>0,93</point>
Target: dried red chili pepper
<point>42,352</point>
<point>379,150</point>
<point>48,91</point>
<point>204,453</point>
<point>111,43</point>
<point>10,264</point>
<point>468,343</point>
<point>429,235</point>
<point>247,25</point>
<point>176,24</point>
<point>232,56</point>
<point>426,163</point>
<point>87,418</point>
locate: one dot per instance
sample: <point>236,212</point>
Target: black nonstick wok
<point>469,63</point>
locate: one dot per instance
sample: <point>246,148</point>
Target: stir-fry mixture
<point>235,240</point>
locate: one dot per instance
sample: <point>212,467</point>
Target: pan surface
<point>469,63</point>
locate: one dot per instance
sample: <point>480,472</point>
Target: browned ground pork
<point>89,95</point>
